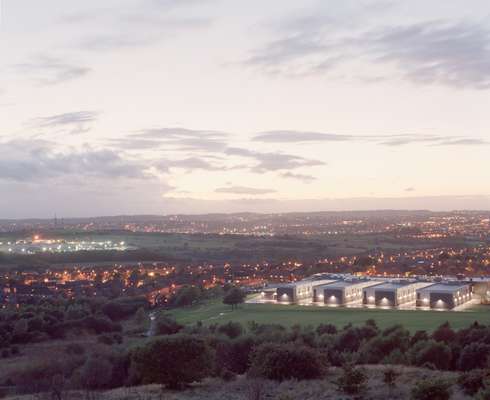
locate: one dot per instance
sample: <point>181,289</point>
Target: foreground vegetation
<point>252,389</point>
<point>95,348</point>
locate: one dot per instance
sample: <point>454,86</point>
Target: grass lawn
<point>287,315</point>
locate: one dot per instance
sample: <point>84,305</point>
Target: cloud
<point>282,162</point>
<point>185,139</point>
<point>147,23</point>
<point>299,136</point>
<point>289,136</point>
<point>189,164</point>
<point>244,190</point>
<point>47,70</point>
<point>217,143</point>
<point>463,142</point>
<point>450,53</point>
<point>453,54</point>
<point>73,122</point>
<point>301,177</point>
<point>39,160</point>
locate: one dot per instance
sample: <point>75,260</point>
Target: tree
<point>431,390</point>
<point>281,362</point>
<point>173,361</point>
<point>186,296</point>
<point>233,297</point>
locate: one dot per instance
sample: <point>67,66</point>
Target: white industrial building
<point>444,295</point>
<point>392,294</point>
<point>299,291</point>
<point>342,292</point>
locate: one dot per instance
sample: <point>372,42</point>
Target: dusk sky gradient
<point>194,106</point>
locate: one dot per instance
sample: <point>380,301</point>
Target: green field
<point>288,315</point>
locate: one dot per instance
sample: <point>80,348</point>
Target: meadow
<point>288,315</point>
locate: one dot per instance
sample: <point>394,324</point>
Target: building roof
<point>393,285</point>
<point>344,284</point>
<point>446,288</point>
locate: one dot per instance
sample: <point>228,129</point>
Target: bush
<point>326,329</point>
<point>234,355</point>
<point>173,361</point>
<point>110,339</point>
<point>231,329</point>
<point>75,349</point>
<point>39,377</point>
<point>123,308</point>
<point>390,376</point>
<point>471,382</point>
<point>353,380</point>
<point>474,355</point>
<point>431,390</point>
<point>186,296</point>
<point>444,334</point>
<point>286,361</point>
<point>483,394</point>
<point>95,374</point>
<point>429,352</point>
<point>166,325</point>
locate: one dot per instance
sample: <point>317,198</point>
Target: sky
<point>197,106</point>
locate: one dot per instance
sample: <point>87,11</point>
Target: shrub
<point>483,394</point>
<point>140,317</point>
<point>96,373</point>
<point>186,296</point>
<point>326,329</point>
<point>74,348</point>
<point>419,336</point>
<point>38,377</point>
<point>231,329</point>
<point>431,390</point>
<point>124,307</point>
<point>424,353</point>
<point>374,350</point>
<point>166,325</point>
<point>173,361</point>
<point>473,356</point>
<point>471,382</point>
<point>353,380</point>
<point>286,361</point>
<point>105,339</point>
<point>390,376</point>
<point>444,334</point>
<point>234,355</point>
<point>227,375</point>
